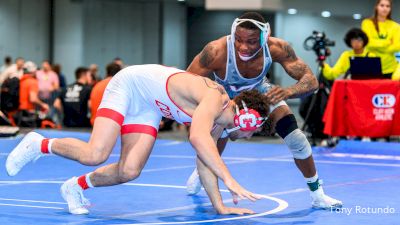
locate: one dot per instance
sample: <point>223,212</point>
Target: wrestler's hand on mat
<point>238,192</point>
<point>234,211</point>
<point>277,94</point>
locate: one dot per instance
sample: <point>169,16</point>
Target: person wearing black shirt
<point>75,100</point>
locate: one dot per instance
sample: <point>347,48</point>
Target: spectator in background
<point>355,39</point>
<point>384,36</point>
<point>75,100</point>
<point>7,63</point>
<point>118,60</point>
<point>98,89</point>
<point>396,75</point>
<point>61,77</point>
<point>94,70</point>
<point>15,70</point>
<point>49,83</point>
<point>29,99</point>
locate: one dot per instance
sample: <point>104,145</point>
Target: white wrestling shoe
<point>26,151</point>
<point>193,184</point>
<point>72,194</point>
<point>322,201</point>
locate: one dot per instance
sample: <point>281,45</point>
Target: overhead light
<point>181,0</point>
<point>357,16</point>
<point>292,11</point>
<point>326,14</point>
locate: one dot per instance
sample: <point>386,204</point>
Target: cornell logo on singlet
<point>383,106</point>
<point>165,110</point>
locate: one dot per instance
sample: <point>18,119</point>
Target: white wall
<point>97,31</point>
<point>68,37</point>
<point>24,29</point>
<point>174,35</point>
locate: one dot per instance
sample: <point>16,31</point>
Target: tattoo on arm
<point>298,69</point>
<point>303,87</point>
<point>206,56</point>
<point>214,85</point>
<point>306,83</point>
<point>290,54</point>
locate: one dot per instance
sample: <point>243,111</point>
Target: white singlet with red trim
<point>140,95</point>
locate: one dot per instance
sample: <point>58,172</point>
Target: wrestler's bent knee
<point>293,137</point>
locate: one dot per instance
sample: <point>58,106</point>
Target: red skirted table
<point>368,108</point>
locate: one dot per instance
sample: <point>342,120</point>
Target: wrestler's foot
<point>322,201</point>
<point>26,151</point>
<point>193,184</point>
<point>72,194</point>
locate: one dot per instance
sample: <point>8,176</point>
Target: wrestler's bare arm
<point>210,183</point>
<point>202,122</point>
<point>283,53</point>
<point>200,137</point>
<point>208,59</point>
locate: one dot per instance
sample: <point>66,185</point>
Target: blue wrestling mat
<point>366,179</point>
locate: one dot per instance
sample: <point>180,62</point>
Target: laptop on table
<point>364,68</point>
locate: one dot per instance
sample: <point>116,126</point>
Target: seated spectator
<point>29,99</point>
<point>7,63</point>
<point>118,60</point>
<point>61,77</point>
<point>355,39</point>
<point>75,100</point>
<point>98,89</point>
<point>94,69</point>
<point>15,70</point>
<point>48,83</point>
<point>396,74</point>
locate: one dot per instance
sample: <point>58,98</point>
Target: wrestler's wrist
<point>221,209</point>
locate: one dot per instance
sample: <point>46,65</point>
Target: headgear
<point>247,119</point>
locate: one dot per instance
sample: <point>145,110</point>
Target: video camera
<point>319,44</point>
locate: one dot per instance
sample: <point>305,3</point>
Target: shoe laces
<point>82,200</point>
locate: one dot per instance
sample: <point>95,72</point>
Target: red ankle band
<point>82,182</point>
<point>44,148</point>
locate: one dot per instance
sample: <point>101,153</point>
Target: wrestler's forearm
<point>209,155</point>
<point>305,86</point>
<point>210,183</point>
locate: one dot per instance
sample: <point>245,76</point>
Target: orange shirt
<point>96,96</point>
<point>27,84</point>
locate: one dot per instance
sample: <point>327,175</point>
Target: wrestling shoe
<point>73,195</point>
<point>193,184</point>
<point>26,151</point>
<point>322,201</point>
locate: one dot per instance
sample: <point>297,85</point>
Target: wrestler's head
<point>249,33</point>
<point>251,110</point>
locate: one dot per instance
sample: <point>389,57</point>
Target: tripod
<point>314,110</point>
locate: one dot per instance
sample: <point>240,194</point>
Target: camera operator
<point>355,39</point>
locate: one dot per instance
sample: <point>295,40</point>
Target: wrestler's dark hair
<point>254,100</point>
<point>355,33</point>
<point>254,16</point>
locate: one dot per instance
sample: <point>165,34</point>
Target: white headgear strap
<point>264,27</point>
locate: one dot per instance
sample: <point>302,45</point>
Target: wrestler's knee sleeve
<point>293,137</point>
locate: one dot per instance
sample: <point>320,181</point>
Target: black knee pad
<point>286,125</point>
